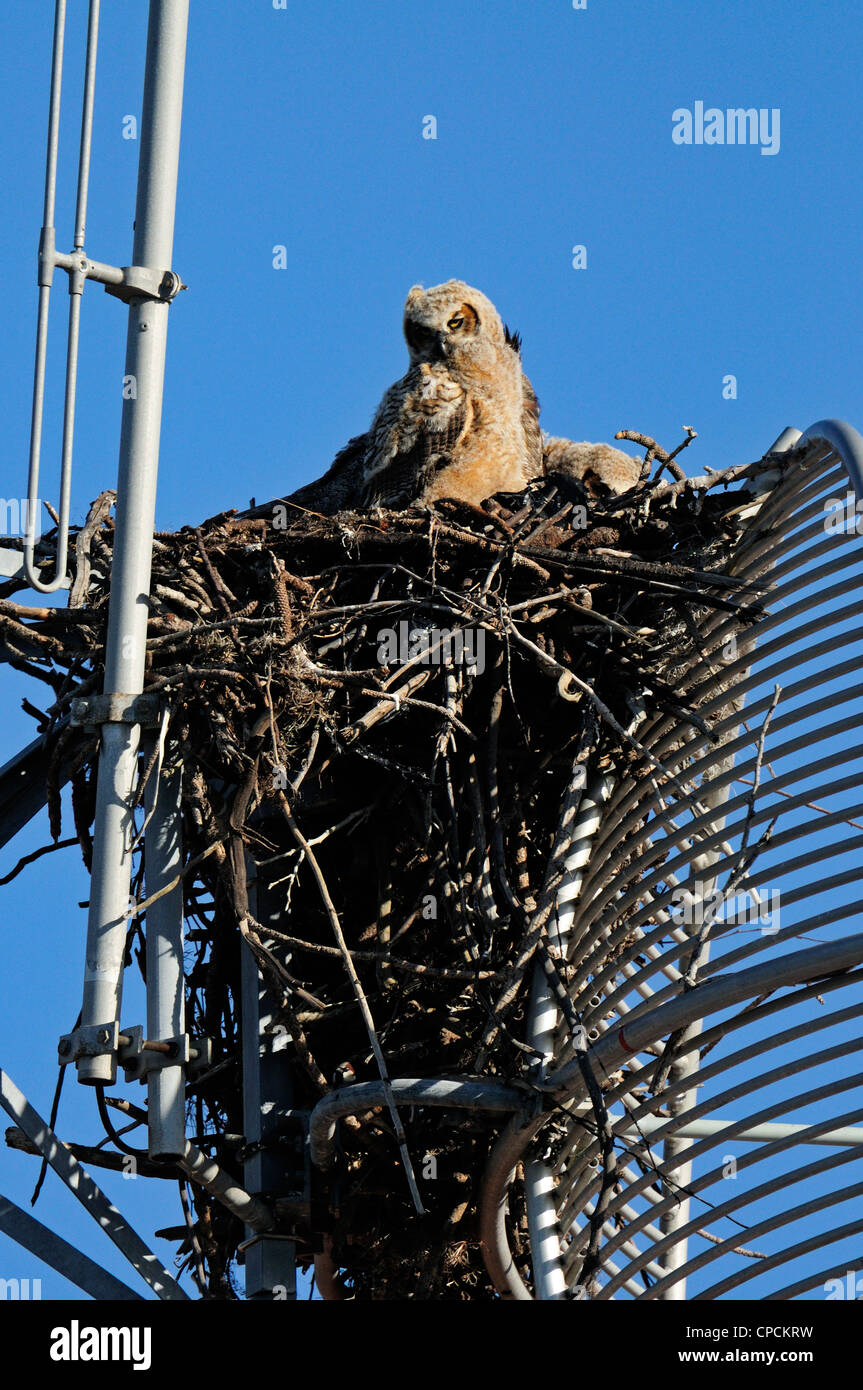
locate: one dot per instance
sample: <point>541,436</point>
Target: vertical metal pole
<point>166,1104</point>
<point>270,1260</point>
<point>548,1277</point>
<point>136,501</point>
<point>676,1256</point>
<point>705,871</point>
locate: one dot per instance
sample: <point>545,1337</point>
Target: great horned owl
<point>459,423</point>
<point>597,466</point>
<point>463,422</point>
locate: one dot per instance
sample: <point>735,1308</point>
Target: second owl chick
<point>597,466</point>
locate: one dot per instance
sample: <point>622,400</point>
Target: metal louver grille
<point>736,1167</point>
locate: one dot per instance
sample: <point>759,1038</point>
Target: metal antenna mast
<point>165,1055</point>
<point>148,286</point>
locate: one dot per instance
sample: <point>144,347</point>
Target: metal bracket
<point>12,564</point>
<point>96,1041</point>
<point>201,1057</point>
<point>293,1202</point>
<point>139,1057</point>
<point>92,710</point>
<point>126,282</point>
<point>136,1054</point>
<point>140,283</point>
<point>275,1252</point>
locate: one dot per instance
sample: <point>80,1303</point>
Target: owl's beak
<point>425,342</point>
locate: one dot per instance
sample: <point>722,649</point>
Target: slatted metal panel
<point>742,1175</point>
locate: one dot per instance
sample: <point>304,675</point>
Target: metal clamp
<point>136,1054</point>
<point>92,710</point>
<point>139,1056</point>
<point>140,283</point>
<point>126,282</point>
<point>95,1041</point>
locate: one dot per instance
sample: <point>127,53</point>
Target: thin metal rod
<point>166,1106</point>
<point>54,114</point>
<point>91,1197</point>
<point>136,502</point>
<point>86,125</point>
<point>36,417</point>
<point>270,1260</point>
<point>46,274</point>
<point>849,1136</point>
<point>47,259</point>
<point>76,289</point>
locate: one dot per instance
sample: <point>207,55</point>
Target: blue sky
<point>303,127</point>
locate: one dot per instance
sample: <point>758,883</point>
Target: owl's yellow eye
<point>455,322</point>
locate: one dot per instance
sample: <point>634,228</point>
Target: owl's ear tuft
<point>513,340</point>
<point>414,293</point>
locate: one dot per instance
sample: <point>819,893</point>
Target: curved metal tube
<point>453,1092</point>
<point>844,441</point>
<point>207,1173</point>
<point>499,1173</point>
<point>567,1083</point>
<point>719,993</point>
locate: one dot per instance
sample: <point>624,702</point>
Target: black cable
<point>111,1131</point>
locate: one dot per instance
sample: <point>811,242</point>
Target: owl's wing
<point>341,487</point>
<point>418,426</point>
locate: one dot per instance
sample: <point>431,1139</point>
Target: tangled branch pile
<point>380,717</point>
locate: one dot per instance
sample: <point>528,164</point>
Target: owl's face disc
<point>449,323</point>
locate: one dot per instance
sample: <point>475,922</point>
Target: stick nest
<point>344,794</point>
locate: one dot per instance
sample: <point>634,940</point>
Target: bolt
<point>64,1047</point>
<point>103,1035</point>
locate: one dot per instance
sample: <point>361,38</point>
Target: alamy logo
<point>17,517</point>
<point>432,646</point>
<point>844,515</point>
<point>692,908</point>
<point>20,1289</point>
<point>736,125</point>
<point>77,1343</point>
<point>850,1288</point>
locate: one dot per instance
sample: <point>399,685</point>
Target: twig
<point>360,997</point>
